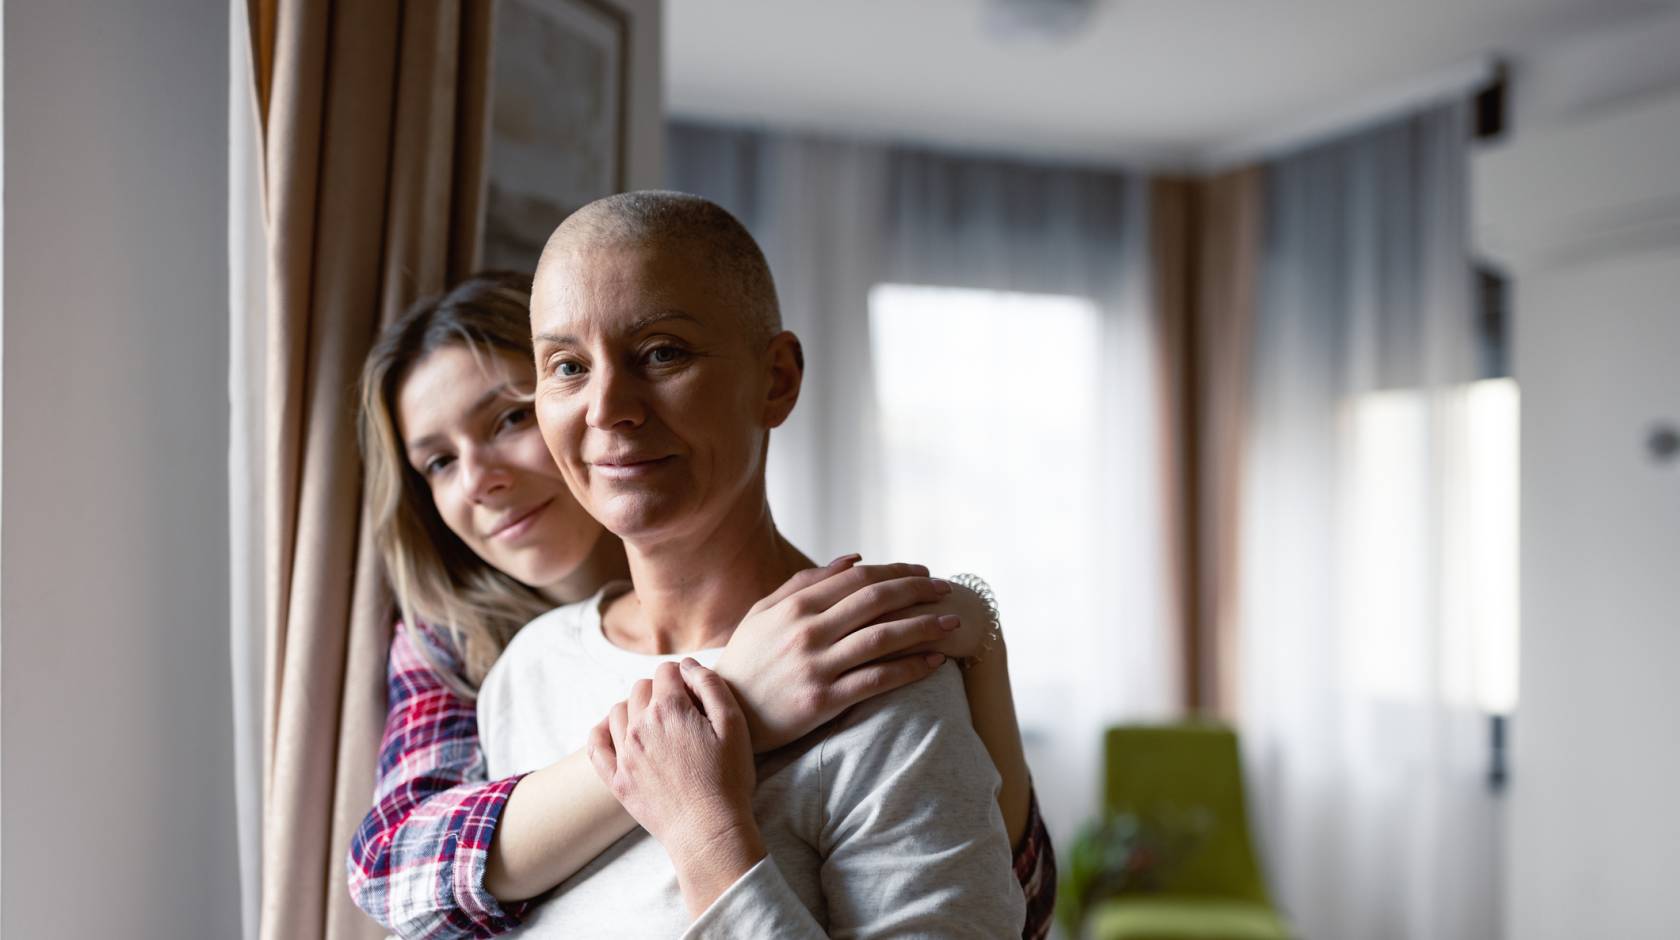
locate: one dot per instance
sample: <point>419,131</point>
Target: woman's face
<point>475,442</point>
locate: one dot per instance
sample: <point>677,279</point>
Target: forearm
<point>416,864</point>
<point>707,868</point>
<point>557,820</point>
<point>991,707</point>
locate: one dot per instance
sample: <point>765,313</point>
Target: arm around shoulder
<point>416,864</point>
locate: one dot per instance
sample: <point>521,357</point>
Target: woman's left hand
<point>678,756</point>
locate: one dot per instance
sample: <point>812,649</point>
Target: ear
<point>787,373</point>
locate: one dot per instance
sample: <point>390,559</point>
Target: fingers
<point>838,586</point>
<point>893,638</point>
<point>869,681</point>
<point>640,694</point>
<point>715,699</point>
<point>668,687</point>
<point>602,756</point>
<point>879,601</point>
<point>617,718</point>
<point>804,579</point>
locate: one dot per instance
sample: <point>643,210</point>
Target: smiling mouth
<point>629,469</point>
<point>518,524</point>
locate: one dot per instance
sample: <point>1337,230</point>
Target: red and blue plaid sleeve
<point>1035,867</point>
<point>417,861</point>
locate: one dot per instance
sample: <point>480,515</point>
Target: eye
<point>565,368</point>
<point>666,355</point>
<point>436,465</point>
<point>514,417</point>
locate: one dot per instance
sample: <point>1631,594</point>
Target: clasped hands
<point>678,752</point>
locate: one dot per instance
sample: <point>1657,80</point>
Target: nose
<point>482,474</point>
<point>615,401</point>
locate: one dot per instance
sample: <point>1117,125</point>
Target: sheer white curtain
<point>1367,749</point>
<point>1016,332</point>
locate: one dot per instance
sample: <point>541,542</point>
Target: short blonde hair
<point>668,218</point>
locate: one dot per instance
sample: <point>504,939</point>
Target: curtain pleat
<point>1226,286</point>
<point>1170,250</point>
<point>1204,243</point>
<point>373,161</point>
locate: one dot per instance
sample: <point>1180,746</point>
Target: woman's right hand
<point>827,639</point>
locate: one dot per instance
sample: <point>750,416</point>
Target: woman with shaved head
<point>662,370</point>
<point>480,533</point>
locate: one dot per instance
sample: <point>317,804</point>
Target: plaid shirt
<point>1035,868</point>
<point>417,861</point>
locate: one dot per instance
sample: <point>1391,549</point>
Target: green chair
<point>1215,892</point>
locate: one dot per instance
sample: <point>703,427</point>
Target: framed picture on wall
<point>557,120</point>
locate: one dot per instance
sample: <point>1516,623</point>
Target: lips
<point>627,467</point>
<point>515,524</point>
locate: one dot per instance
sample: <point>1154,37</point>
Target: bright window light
<point>1385,589</point>
<point>989,406</point>
<point>1457,450</point>
<point>1495,484</point>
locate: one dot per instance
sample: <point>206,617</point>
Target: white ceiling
<point>1156,82</point>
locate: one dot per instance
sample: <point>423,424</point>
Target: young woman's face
<point>476,443</point>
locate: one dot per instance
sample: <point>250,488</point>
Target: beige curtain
<point>373,119</point>
<point>1204,238</point>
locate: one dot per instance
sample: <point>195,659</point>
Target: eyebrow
<point>642,323</point>
<point>483,401</point>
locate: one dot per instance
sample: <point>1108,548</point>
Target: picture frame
<point>558,120</point>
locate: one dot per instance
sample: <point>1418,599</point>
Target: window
<point>1492,584</point>
<point>1387,594</point>
<point>993,460</point>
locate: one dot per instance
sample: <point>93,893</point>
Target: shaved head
<point>677,221</point>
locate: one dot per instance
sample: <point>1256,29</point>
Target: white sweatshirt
<point>883,822</point>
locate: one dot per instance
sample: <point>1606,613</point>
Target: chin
<point>538,576</point>
<point>639,518</point>
<point>542,567</point>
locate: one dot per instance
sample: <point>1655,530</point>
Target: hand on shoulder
<point>829,638</point>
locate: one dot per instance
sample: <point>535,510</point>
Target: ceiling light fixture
<point>1051,20</point>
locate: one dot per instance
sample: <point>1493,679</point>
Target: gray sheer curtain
<point>837,218</point>
<point>1367,751</point>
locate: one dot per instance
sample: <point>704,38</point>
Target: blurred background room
<point>1304,377</point>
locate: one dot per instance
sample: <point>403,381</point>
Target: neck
<point>605,563</point>
<point>691,591</point>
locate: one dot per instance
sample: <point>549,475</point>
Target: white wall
<point>1583,205</point>
<point>115,721</point>
<point>1594,69</point>
<point>1595,829</point>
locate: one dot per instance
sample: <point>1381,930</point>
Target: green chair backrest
<point>1168,770</point>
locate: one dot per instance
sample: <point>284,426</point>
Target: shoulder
<point>561,623</point>
<point>935,701</point>
<point>923,728</point>
<point>422,653</point>
<point>416,638</point>
<point>532,651</point>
